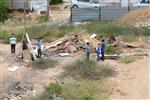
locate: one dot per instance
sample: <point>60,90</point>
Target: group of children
<point>100,50</point>
<point>13,41</point>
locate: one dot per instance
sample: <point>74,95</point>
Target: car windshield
<point>95,1</point>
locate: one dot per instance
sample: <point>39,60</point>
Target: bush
<point>87,98</point>
<point>43,64</point>
<point>86,90</point>
<point>82,90</point>
<point>43,19</point>
<point>55,2</point>
<point>112,50</point>
<point>88,70</point>
<point>54,88</point>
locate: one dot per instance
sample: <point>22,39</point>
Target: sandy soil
<point>39,78</point>
<point>131,82</point>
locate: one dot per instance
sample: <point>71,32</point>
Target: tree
<point>3,10</point>
<point>55,2</point>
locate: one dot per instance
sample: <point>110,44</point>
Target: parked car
<point>87,4</point>
<point>142,3</point>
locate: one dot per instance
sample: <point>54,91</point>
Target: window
<point>85,0</point>
<point>145,1</point>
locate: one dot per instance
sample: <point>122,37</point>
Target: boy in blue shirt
<point>103,49</point>
<point>98,51</point>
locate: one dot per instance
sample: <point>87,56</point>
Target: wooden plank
<point>30,46</point>
<point>55,43</point>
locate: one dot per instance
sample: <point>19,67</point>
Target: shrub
<point>82,90</point>
<point>55,2</point>
<point>43,64</point>
<point>87,98</point>
<point>43,19</point>
<point>54,88</point>
<point>112,50</point>
<point>88,70</point>
<point>86,90</point>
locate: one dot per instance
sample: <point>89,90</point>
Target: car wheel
<point>74,6</point>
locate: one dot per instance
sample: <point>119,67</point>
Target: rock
<point>19,88</point>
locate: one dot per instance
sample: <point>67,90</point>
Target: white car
<point>86,4</point>
<point>143,3</point>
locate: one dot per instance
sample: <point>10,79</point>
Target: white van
<point>142,3</point>
<point>86,4</point>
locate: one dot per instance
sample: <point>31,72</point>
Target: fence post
<point>128,9</point>
<point>99,13</point>
<point>128,6</point>
<point>71,14</point>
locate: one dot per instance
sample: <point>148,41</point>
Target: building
<point>32,5</point>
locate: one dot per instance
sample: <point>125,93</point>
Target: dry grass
<point>129,59</point>
<point>137,17</point>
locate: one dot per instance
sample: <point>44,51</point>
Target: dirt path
<point>132,80</point>
<point>39,78</point>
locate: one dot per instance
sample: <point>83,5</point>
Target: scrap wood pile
<point>72,43</point>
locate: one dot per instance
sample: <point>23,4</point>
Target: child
<point>102,49</point>
<point>87,51</point>
<point>39,48</point>
<point>98,51</point>
<point>13,40</point>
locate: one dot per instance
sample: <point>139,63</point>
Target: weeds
<point>89,70</point>
<point>54,88</point>
<point>86,90</point>
<point>43,64</point>
<point>50,33</point>
<point>129,38</point>
<point>129,59</point>
<point>81,90</point>
<point>112,50</point>
<point>43,19</point>
<point>112,28</point>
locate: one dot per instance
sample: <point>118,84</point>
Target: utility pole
<point>120,3</point>
<point>25,16</point>
<point>48,1</point>
<point>128,6</point>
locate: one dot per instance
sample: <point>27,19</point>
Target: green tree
<point>55,2</point>
<point>3,10</point>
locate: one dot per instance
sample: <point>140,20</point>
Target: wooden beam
<point>30,46</point>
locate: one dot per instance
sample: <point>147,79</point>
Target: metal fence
<point>99,14</point>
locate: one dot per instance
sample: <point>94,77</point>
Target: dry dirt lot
<point>131,82</point>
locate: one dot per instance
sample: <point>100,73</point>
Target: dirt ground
<point>131,82</point>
